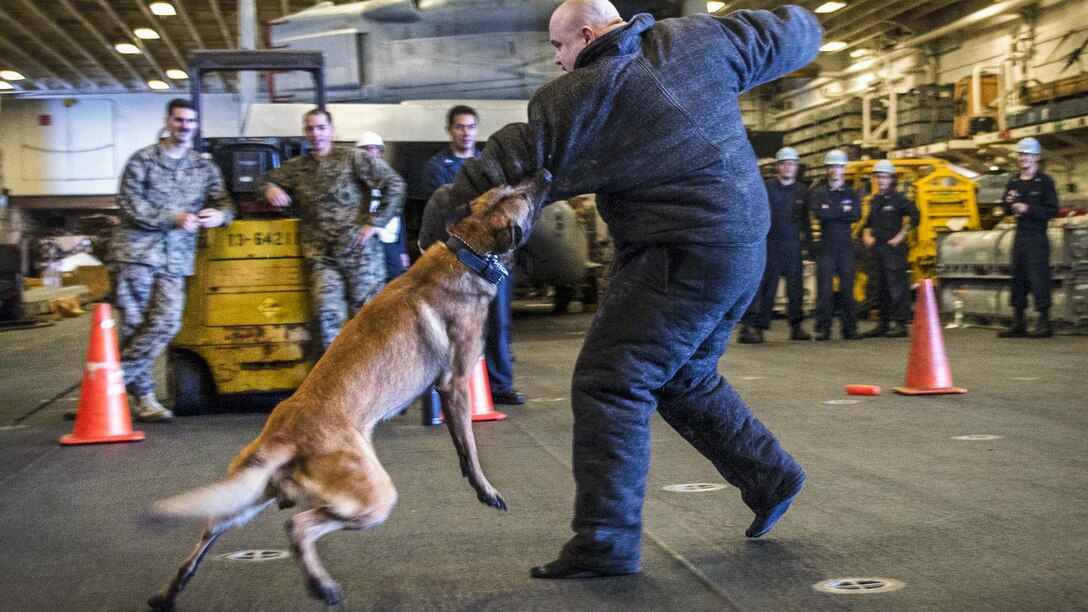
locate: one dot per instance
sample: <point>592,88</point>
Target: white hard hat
<point>1029,145</point>
<point>884,166</point>
<point>835,157</point>
<point>787,153</point>
<point>370,139</point>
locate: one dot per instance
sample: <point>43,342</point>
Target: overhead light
<point>994,169</point>
<point>830,7</point>
<point>157,84</point>
<point>163,8</point>
<point>835,45</point>
<point>856,53</point>
<point>11,75</point>
<point>146,34</point>
<point>176,74</point>
<point>6,85</point>
<point>127,48</point>
<point>714,7</point>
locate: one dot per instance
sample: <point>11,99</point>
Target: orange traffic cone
<point>927,366</point>
<point>103,404</point>
<point>479,395</point>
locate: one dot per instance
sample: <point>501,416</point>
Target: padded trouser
<point>655,342</point>
<point>150,302</point>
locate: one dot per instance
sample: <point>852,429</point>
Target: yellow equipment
<point>945,200</point>
<point>245,323</point>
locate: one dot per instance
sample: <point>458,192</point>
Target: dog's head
<point>502,218</point>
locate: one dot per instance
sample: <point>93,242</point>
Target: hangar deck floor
<point>975,524</point>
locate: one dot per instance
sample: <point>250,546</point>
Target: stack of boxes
<point>925,115</point>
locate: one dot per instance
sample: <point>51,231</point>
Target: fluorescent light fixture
<point>6,85</point>
<point>994,169</point>
<point>856,53</point>
<point>156,84</point>
<point>127,48</point>
<point>714,7</point>
<point>829,7</point>
<point>835,45</point>
<point>146,34</point>
<point>177,74</point>
<point>11,75</point>
<point>163,9</point>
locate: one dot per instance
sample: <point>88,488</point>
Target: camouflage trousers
<point>149,302</point>
<point>344,283</point>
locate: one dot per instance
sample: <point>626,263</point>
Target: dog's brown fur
<point>315,449</point>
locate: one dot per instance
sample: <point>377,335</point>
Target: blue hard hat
<point>1029,145</point>
<point>884,166</point>
<point>787,153</point>
<point>836,157</point>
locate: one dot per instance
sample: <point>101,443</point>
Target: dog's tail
<point>231,495</point>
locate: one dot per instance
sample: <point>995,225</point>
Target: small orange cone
<point>927,366</point>
<point>103,414</point>
<point>479,395</point>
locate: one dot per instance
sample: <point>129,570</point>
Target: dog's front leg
<point>455,407</point>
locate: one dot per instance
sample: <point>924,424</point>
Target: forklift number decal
<point>263,239</point>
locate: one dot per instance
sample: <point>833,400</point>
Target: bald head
<point>576,23</point>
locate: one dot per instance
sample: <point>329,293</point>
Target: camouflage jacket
<point>152,192</point>
<point>337,195</point>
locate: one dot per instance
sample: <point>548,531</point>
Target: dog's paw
<point>493,499</point>
<point>159,602</point>
<point>329,592</point>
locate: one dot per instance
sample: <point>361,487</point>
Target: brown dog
<point>315,450</point>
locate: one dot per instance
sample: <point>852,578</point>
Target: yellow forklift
<point>245,327</point>
<point>945,200</point>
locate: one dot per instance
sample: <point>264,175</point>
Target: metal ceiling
<point>67,46</point>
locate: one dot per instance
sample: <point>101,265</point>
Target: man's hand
<point>210,217</point>
<point>277,197</point>
<point>868,240</point>
<point>365,232</point>
<point>187,221</point>
<point>1019,208</point>
<point>896,240</point>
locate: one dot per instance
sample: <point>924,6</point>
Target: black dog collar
<point>486,265</point>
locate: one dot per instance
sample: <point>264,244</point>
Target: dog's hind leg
<point>455,406</point>
<point>304,529</point>
<point>165,599</point>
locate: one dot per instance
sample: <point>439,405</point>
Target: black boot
<point>797,333</point>
<point>823,334</point>
<point>1018,329</point>
<point>1043,328</point>
<point>877,331</point>
<point>750,335</point>
<point>897,330</point>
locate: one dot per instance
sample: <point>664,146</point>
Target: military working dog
<point>315,451</point>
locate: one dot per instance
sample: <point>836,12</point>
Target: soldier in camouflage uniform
<point>342,197</point>
<point>167,193</point>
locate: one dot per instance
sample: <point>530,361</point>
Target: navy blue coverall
<point>789,221</point>
<point>690,230</point>
<point>889,278</point>
<point>1031,247</point>
<point>440,170</point>
<point>835,255</point>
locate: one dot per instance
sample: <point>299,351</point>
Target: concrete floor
<point>996,524</point>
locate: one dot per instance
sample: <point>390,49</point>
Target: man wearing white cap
<point>391,235</point>
<point>1033,200</point>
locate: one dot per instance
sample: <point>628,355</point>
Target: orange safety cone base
<point>939,391</point>
<point>134,436</point>
<point>494,415</point>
